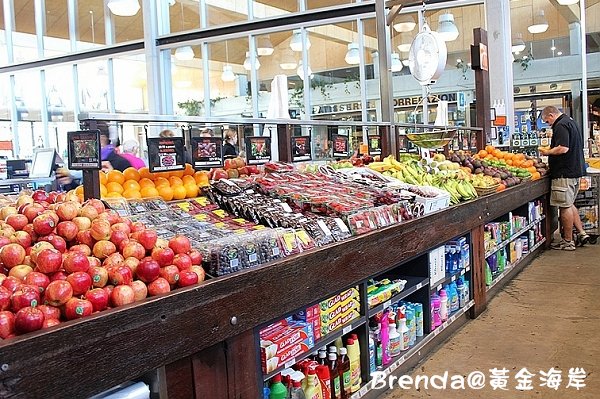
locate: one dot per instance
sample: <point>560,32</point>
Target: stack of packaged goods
<point>448,300</point>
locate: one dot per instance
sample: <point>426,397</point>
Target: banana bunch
<point>483,181</point>
<point>459,190</point>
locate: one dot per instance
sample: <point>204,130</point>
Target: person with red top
<point>129,150</point>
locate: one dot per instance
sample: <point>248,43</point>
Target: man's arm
<point>558,150</point>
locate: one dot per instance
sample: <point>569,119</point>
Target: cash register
<point>37,173</point>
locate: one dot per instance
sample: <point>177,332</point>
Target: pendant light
<point>540,23</point>
<point>447,28</point>
<point>124,8</point>
<point>185,53</point>
<point>518,44</point>
<point>352,55</point>
<point>227,75</point>
<point>287,61</point>
<point>264,45</point>
<point>405,23</point>
<point>297,44</point>
<point>404,47</point>
<point>248,62</point>
<point>567,2</point>
<point>396,65</point>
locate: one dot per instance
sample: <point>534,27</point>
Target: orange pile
<point>510,159</point>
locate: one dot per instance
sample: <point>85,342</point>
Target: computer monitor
<point>43,163</point>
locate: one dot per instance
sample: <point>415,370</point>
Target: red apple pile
<point>233,168</point>
<point>62,260</point>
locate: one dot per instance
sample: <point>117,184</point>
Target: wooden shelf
<point>497,247</point>
<point>510,267</point>
<point>413,285</point>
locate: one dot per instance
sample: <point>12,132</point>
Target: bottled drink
<point>278,390</point>
<point>334,375</point>
<point>324,381</point>
<point>443,305</point>
<point>297,392</point>
<point>344,373</point>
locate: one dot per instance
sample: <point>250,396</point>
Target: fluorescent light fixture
<point>353,55</point>
<point>405,23</point>
<point>540,23</point>
<point>447,28</point>
<point>300,71</point>
<point>396,63</point>
<point>296,42</point>
<point>185,53</point>
<point>227,75</point>
<point>264,45</point>
<point>124,8</point>
<point>518,44</point>
<point>567,2</point>
<point>559,53</point>
<point>404,47</point>
<point>248,62</point>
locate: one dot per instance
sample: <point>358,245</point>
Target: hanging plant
<point>525,60</point>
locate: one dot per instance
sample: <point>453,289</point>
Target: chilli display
<point>166,154</point>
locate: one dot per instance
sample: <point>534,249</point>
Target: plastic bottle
<point>313,388</point>
<point>385,340</point>
<point>266,393</point>
<point>395,340</point>
<point>297,392</point>
<point>404,333</point>
<point>334,376</point>
<point>322,357</point>
<point>379,354</point>
<point>324,381</point>
<point>443,305</point>
<point>332,349</point>
<point>488,274</point>
<point>460,286</point>
<point>419,318</point>
<point>344,373</point>
<point>339,344</point>
<point>436,319</point>
<point>278,389</point>
<point>372,351</point>
<point>453,298</point>
<point>354,356</point>
<point>410,324</point>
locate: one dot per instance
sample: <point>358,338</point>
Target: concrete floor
<point>548,316</point>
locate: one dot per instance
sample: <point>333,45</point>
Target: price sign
<point>165,154</point>
<point>301,150</point>
<point>84,150</point>
<point>340,145</point>
<point>207,152</point>
<point>347,329</point>
<point>258,149</point>
<point>374,145</point>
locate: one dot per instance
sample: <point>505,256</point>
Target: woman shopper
<point>229,150</point>
<point>567,166</point>
<point>129,150</point>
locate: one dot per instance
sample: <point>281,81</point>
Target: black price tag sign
<point>258,149</point>
<point>374,145</point>
<point>207,152</point>
<point>301,150</point>
<point>165,154</point>
<point>340,145</point>
<point>84,150</point>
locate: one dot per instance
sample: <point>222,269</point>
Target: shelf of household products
<point>493,279</point>
<point>318,348</point>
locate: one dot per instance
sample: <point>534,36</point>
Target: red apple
<point>7,230</point>
<point>148,270</point>
<point>102,249</point>
<point>182,261</point>
<point>67,230</point>
<point>164,256</point>
<point>7,324</point>
<point>4,241</point>
<point>37,279</point>
<point>68,210</point>
<point>50,312</point>
<point>25,296</point>
<point>97,204</point>
<point>134,249</point>
<point>113,260</point>
<point>76,308</point>
<point>27,261</point>
<point>99,276</point>
<point>85,237</point>
<point>20,272</point>
<point>29,230</point>
<point>52,197</point>
<point>161,243</point>
<point>121,226</point>
<point>140,290</point>
<point>147,238</point>
<point>52,215</point>
<point>180,244</point>
<point>58,292</point>
<point>28,319</point>
<point>196,257</point>
<point>187,277</point>
<point>39,196</point>
<point>100,229</point>
<point>71,196</point>
<point>199,270</point>
<point>170,273</point>
<point>6,211</point>
<point>49,261</point>
<point>159,286</point>
<point>89,212</point>
<point>39,247</point>
<point>137,227</point>
<point>111,216</point>
<point>32,211</point>
<point>57,242</point>
<point>83,223</point>
<point>43,224</point>
<point>120,275</point>
<point>12,255</point>
<point>118,236</point>
<point>58,276</point>
<point>98,297</point>
<point>21,238</point>
<point>80,281</point>
<point>132,263</point>
<point>122,295</point>
<point>5,295</point>
<point>50,323</point>
<point>17,221</point>
<point>12,284</point>
<point>76,262</point>
<point>94,261</point>
<point>84,249</point>
<point>109,289</point>
<point>24,199</point>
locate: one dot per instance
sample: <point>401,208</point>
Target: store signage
<point>258,149</point>
<point>340,145</point>
<point>207,152</point>
<point>450,97</point>
<point>461,102</point>
<point>374,145</point>
<point>165,154</point>
<point>301,150</point>
<point>84,150</point>
<point>398,102</point>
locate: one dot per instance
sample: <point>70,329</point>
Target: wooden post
<point>478,271</point>
<point>284,139</point>
<point>479,62</point>
<point>91,178</point>
<point>388,141</point>
<point>243,366</point>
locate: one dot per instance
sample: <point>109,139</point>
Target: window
<point>130,84</point>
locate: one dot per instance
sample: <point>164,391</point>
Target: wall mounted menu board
<point>340,145</point>
<point>301,150</point>
<point>84,150</point>
<point>258,149</point>
<point>374,145</point>
<point>165,154</point>
<point>207,152</point>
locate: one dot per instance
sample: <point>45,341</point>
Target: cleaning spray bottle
<point>385,339</point>
<point>354,356</point>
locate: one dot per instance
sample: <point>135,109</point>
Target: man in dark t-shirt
<point>567,166</point>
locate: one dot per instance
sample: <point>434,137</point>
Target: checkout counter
<point>17,175</point>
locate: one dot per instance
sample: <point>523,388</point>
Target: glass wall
<point>131,89</point>
<point>89,25</point>
<point>56,28</point>
<point>93,86</point>
<point>3,48</point>
<point>24,34</point>
<point>187,78</point>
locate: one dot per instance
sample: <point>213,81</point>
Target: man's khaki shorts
<point>563,191</point>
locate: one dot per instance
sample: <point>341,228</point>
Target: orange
<point>114,187</point>
<point>132,184</point>
<point>103,190</point>
<point>145,182</point>
<point>174,180</point>
<point>131,193</point>
<point>116,176</point>
<point>103,177</point>
<point>187,179</point>
<point>482,153</point>
<point>148,192</point>
<point>79,190</point>
<point>164,175</point>
<point>509,162</point>
<point>201,178</point>
<point>166,192</point>
<point>161,181</point>
<point>176,173</point>
<point>131,173</point>
<point>189,170</point>
<point>145,173</point>
<point>489,148</point>
<point>191,190</point>
<point>113,194</point>
<point>179,192</point>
